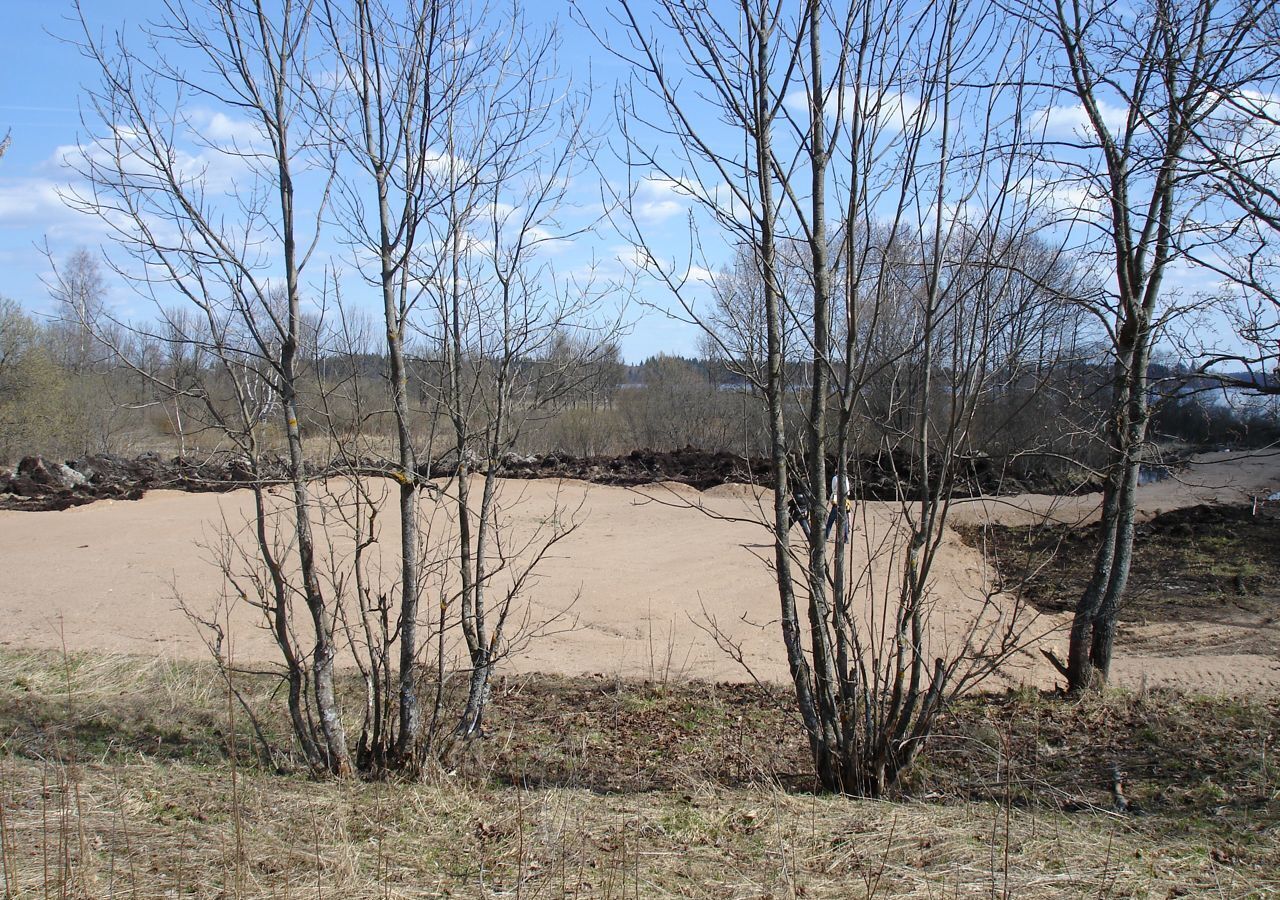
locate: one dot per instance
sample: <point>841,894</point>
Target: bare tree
<point>147,182</point>
<point>500,314</point>
<point>841,118</point>
<point>1144,81</point>
<point>432,145</point>
<point>1237,216</point>
<point>398,81</point>
<point>78,289</point>
<point>736,320</point>
<point>82,333</point>
<point>462,140</point>
<point>182,361</point>
<point>32,388</point>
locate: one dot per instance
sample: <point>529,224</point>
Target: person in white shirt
<point>840,484</point>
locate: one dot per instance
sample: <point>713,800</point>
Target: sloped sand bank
<point>630,592</point>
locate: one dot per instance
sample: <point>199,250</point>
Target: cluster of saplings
<point>919,264</point>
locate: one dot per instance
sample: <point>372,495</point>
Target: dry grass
<point>115,780</point>
<point>151,830</point>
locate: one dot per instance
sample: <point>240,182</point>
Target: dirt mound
<point>1217,564</point>
<point>880,476</point>
<point>1204,520</point>
<point>701,469</point>
<point>42,485</point>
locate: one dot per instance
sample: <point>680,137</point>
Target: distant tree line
<point>64,392</point>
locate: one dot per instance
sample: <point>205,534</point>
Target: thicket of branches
<point>875,168</point>
<point>435,142</point>
<point>890,256</point>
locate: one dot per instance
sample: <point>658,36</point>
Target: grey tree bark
<point>1169,66</point>
<point>867,698</point>
<point>138,184</point>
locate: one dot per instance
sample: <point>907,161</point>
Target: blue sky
<point>40,91</point>
<point>41,78</point>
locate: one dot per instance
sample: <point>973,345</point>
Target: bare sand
<point>631,592</point>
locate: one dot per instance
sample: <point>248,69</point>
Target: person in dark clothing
<point>798,507</point>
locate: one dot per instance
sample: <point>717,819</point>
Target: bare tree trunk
<point>1093,627</point>
<point>1174,65</point>
<point>325,652</point>
<point>321,616</point>
<point>866,707</point>
<point>278,614</point>
<point>762,27</point>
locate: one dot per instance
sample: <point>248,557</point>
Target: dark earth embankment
<point>41,484</point>
<point>1200,563</point>
<point>1204,579</point>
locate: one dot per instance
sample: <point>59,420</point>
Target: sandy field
<point>623,594</point>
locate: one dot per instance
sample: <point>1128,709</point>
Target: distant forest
<point>65,391</point>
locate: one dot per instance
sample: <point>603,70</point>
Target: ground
<point>117,779</point>
<point>1204,584</point>
<point>624,594</point>
<point>626,757</point>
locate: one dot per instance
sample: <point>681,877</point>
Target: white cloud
<point>1076,200</point>
<point>1258,104</point>
<point>218,161</point>
<point>27,200</point>
<point>442,166</point>
<point>1246,130</point>
<point>633,256</point>
<point>701,274</point>
<point>893,110</point>
<point>34,206</point>
<point>1073,121</point>
<point>497,210</point>
<point>547,242</point>
<point>637,260</point>
<point>658,199</point>
<point>220,128</point>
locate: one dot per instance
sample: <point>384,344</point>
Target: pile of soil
<point>879,477</point>
<point>40,484</point>
<point>701,469</point>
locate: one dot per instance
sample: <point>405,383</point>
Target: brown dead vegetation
<point>117,778</point>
